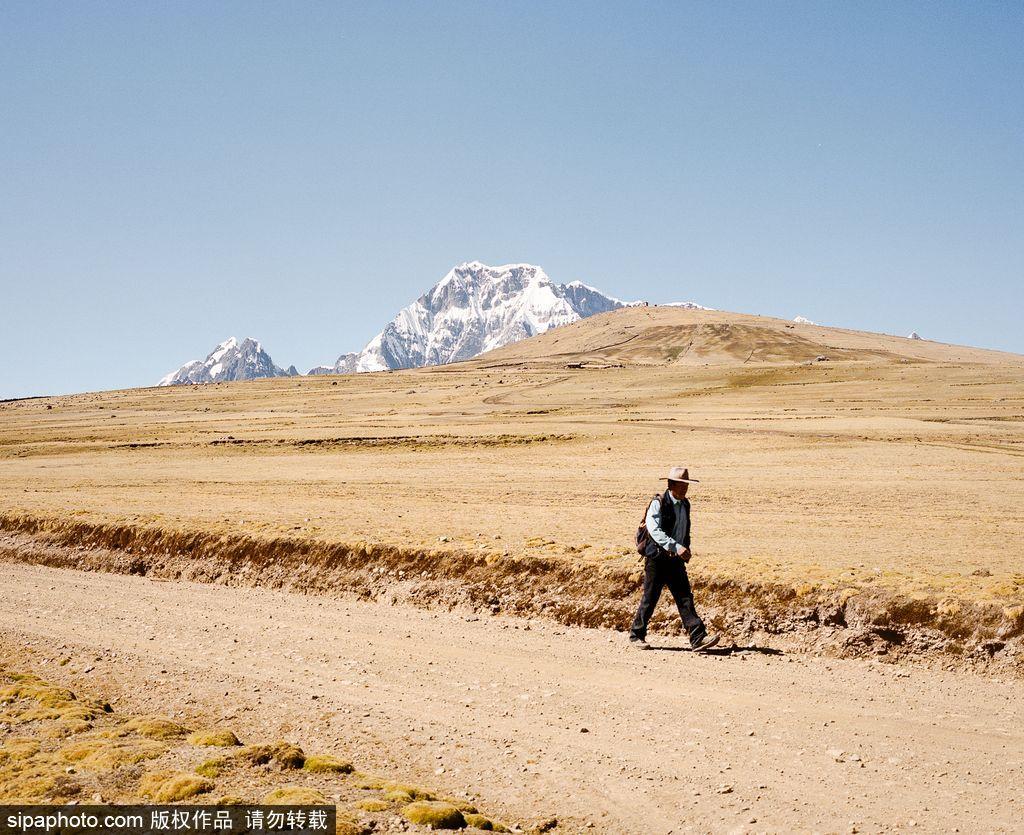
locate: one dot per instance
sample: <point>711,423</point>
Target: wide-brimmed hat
<point>680,474</point>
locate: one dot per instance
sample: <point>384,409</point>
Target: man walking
<point>666,552</point>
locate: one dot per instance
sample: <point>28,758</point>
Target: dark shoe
<point>639,643</point>
<point>704,643</point>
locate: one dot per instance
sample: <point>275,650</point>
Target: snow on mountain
<point>915,335</point>
<point>803,320</point>
<point>230,360</point>
<point>474,308</point>
<point>687,305</point>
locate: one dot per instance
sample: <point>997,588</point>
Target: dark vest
<point>668,524</point>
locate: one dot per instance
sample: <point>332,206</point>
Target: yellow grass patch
<point>350,826</point>
<point>212,768</point>
<point>434,814</point>
<point>18,749</point>
<point>172,786</point>
<point>326,763</point>
<point>219,737</point>
<point>27,782</point>
<point>101,754</point>
<point>371,804</point>
<point>414,792</point>
<point>293,795</point>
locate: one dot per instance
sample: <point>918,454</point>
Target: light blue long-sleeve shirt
<point>667,542</point>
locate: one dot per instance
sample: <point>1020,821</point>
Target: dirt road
<point>539,719</point>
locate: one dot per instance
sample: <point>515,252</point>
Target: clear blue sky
<point>175,173</point>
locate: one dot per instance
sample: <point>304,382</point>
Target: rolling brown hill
<point>666,335</point>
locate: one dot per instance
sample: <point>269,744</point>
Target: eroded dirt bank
<point>870,623</point>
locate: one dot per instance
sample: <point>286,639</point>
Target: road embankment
<point>863,622</point>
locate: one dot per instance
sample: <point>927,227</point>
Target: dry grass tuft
<point>285,754</point>
<point>65,728</point>
<point>19,749</point>
<point>371,804</point>
<point>214,737</point>
<point>31,699</point>
<point>293,795</point>
<point>102,755</point>
<point>414,792</point>
<point>213,768</point>
<point>326,763</point>
<point>153,728</point>
<point>462,805</point>
<point>368,781</point>
<point>434,814</point>
<point>230,800</point>
<point>172,786</point>
<point>28,782</point>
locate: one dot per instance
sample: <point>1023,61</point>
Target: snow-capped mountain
<point>230,360</point>
<point>915,335</point>
<point>687,305</point>
<point>803,320</point>
<point>474,308</point>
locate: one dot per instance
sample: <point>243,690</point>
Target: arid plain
<point>860,495</point>
<point>894,466</point>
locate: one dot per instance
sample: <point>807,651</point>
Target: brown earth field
<point>860,494</point>
<point>452,539</point>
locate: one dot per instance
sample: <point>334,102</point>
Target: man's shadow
<point>735,649</point>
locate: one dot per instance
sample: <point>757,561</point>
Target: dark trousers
<point>658,573</point>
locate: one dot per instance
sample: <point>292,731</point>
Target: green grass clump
<point>219,737</point>
<point>434,814</point>
<point>397,796</point>
<point>414,792</point>
<point>325,763</point>
<point>478,821</point>
<point>212,768</point>
<point>292,796</point>
<point>171,786</point>
<point>367,781</point>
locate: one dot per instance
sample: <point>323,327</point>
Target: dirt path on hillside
<point>537,719</point>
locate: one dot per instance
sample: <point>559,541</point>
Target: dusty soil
<point>533,718</point>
